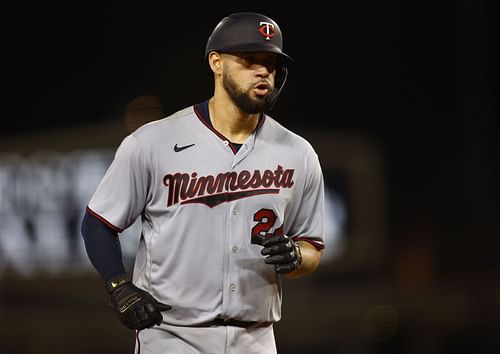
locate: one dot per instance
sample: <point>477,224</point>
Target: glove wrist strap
<point>115,283</point>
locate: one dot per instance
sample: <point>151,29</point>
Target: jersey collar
<point>203,114</point>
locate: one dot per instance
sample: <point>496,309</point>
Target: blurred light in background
<point>43,199</point>
<point>335,222</point>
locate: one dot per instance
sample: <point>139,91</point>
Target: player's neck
<point>228,120</point>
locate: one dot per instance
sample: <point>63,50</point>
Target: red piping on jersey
<point>106,222</point>
<point>316,244</point>
<point>222,137</point>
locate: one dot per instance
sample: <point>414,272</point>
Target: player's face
<point>248,78</point>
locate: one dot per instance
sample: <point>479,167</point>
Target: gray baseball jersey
<point>205,208</point>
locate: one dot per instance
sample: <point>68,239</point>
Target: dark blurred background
<point>399,99</point>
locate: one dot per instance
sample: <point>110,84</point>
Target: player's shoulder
<point>285,135</point>
<point>163,127</point>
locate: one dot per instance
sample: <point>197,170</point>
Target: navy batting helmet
<point>251,32</point>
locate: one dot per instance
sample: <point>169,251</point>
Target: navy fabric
<point>103,247</point>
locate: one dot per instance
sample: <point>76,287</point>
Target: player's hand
<point>283,252</point>
<point>136,308</point>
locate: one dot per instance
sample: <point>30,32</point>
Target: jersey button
<point>226,143</point>
<point>235,249</point>
<point>232,287</point>
<point>235,212</point>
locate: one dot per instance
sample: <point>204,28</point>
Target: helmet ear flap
<point>280,79</point>
<point>281,76</point>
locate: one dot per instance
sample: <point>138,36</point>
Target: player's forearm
<point>103,247</point>
<point>310,260</point>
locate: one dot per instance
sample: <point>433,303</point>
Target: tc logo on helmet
<point>266,29</point>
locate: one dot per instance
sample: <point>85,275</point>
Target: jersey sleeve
<point>309,222</point>
<point>121,195</point>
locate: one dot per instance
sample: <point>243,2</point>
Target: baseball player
<point>230,203</point>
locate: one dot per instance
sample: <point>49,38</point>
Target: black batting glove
<point>136,308</point>
<point>283,252</point>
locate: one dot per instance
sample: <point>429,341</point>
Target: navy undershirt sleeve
<point>103,247</point>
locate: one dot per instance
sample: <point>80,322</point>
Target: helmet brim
<point>259,47</point>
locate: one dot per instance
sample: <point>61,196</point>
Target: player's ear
<point>215,62</point>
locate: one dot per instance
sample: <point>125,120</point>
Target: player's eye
<point>267,60</point>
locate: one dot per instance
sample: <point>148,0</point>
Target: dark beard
<point>242,100</point>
